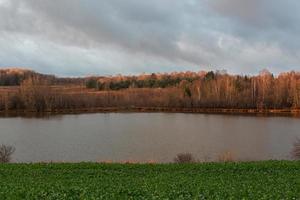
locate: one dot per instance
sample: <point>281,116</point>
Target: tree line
<point>15,77</point>
<point>177,90</point>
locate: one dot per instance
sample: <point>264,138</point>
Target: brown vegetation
<point>15,76</point>
<point>189,91</point>
<point>226,157</point>
<point>296,150</point>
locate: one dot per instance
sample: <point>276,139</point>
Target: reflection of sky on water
<point>148,137</point>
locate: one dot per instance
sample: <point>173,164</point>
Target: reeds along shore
<point>187,92</point>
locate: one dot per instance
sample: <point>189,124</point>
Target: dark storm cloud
<point>75,37</point>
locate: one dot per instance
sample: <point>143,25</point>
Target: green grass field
<point>258,180</point>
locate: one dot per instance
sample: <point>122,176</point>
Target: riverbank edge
<point>292,112</point>
<point>141,164</point>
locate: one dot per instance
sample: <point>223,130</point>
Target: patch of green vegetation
<point>150,82</point>
<point>257,180</point>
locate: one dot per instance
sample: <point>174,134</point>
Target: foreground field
<point>261,180</point>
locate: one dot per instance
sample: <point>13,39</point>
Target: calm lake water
<point>147,137</point>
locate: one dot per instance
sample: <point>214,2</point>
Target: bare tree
<point>6,152</point>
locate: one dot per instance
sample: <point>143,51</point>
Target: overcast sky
<point>83,37</point>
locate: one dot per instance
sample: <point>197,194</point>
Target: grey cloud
<point>91,23</point>
<point>133,36</point>
<point>150,28</point>
<point>268,21</point>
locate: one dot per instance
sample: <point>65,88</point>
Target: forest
<point>23,90</point>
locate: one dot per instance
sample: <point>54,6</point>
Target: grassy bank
<point>258,180</point>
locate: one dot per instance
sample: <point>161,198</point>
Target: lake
<point>148,137</point>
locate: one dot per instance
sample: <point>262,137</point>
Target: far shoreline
<point>233,111</point>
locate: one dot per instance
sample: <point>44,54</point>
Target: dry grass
<point>226,157</point>
<point>296,150</point>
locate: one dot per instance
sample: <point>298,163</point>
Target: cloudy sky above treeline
<point>82,37</point>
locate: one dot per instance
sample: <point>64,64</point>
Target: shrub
<point>6,153</point>
<point>184,158</point>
